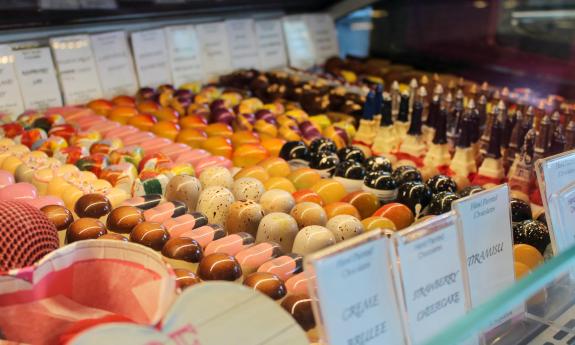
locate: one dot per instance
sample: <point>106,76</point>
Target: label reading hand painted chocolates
<point>115,64</point>
<point>323,35</point>
<point>562,206</point>
<point>10,97</point>
<point>76,69</point>
<point>355,293</point>
<point>185,54</point>
<point>243,44</point>
<point>485,221</point>
<point>299,42</point>
<point>151,53</point>
<point>213,39</point>
<point>37,77</point>
<point>271,45</point>
<point>431,276</point>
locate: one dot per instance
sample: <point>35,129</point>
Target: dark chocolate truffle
<point>85,229</point>
<point>124,218</point>
<point>150,234</point>
<point>520,210</point>
<point>219,266</point>
<point>92,205</point>
<point>60,216</point>
<point>183,248</point>
<point>441,183</point>
<point>533,233</point>
<point>267,283</point>
<point>300,308</point>
<point>185,278</point>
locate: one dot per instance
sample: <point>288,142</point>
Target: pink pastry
<point>44,201</point>
<point>184,223</point>
<point>155,145</point>
<point>6,178</point>
<point>87,122</point>
<point>19,191</point>
<point>193,156</point>
<point>105,127</point>
<point>121,132</point>
<point>174,150</point>
<point>137,138</point>
<point>298,284</point>
<point>211,162</point>
<point>205,234</point>
<point>64,111</point>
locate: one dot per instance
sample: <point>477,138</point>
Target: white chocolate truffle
<point>277,200</point>
<point>345,227</point>
<point>248,188</point>
<point>311,239</point>
<point>216,176</point>
<point>278,227</point>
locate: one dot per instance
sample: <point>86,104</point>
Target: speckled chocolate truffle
<point>183,248</point>
<point>299,306</point>
<point>219,266</point>
<point>150,234</point>
<point>85,229</point>
<point>267,283</point>
<point>60,216</point>
<point>113,236</point>
<point>244,216</point>
<point>441,183</point>
<point>520,210</point>
<point>533,233</point>
<point>92,205</point>
<point>124,218</point>
<point>185,278</point>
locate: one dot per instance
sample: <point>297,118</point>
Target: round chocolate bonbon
<point>322,145</point>
<point>520,210</point>
<point>267,283</point>
<point>351,153</point>
<point>150,234</point>
<point>470,190</point>
<point>93,205</point>
<point>441,183</point>
<point>533,233</point>
<point>124,218</point>
<point>183,248</point>
<point>185,278</point>
<point>219,266</point>
<point>414,195</point>
<point>85,229</point>
<point>378,163</point>
<point>60,216</point>
<point>300,308</point>
<point>406,173</point>
<point>441,203</point>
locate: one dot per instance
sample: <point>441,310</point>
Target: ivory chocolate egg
<point>219,266</point>
<point>215,203</point>
<point>185,278</point>
<point>344,227</point>
<point>184,188</point>
<point>300,308</point>
<point>322,145</point>
<point>124,218</point>
<point>92,205</point>
<point>278,227</point>
<point>382,184</point>
<point>267,283</point>
<point>324,163</point>
<point>414,195</point>
<point>351,153</point>
<point>378,163</point>
<point>533,233</point>
<point>470,190</point>
<point>441,203</point>
<point>150,234</point>
<point>308,213</point>
<point>244,216</point>
<point>311,239</point>
<point>406,173</point>
<point>248,188</point>
<point>277,200</point>
<point>60,216</point>
<point>85,229</point>
<point>520,210</point>
<point>441,183</point>
<point>216,176</point>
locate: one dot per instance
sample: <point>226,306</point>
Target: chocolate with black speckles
<point>244,216</point>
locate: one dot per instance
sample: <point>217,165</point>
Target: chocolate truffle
<point>414,195</point>
<point>300,308</point>
<point>406,173</point>
<point>150,234</point>
<point>267,283</point>
<point>351,153</point>
<point>92,205</point>
<point>219,266</point>
<point>60,216</point>
<point>520,210</point>
<point>185,278</point>
<point>470,190</point>
<point>113,236</point>
<point>378,163</point>
<point>85,229</point>
<point>533,233</point>
<point>441,203</point>
<point>182,250</point>
<point>441,183</point>
<point>124,218</point>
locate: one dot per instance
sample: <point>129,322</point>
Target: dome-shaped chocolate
<point>322,145</point>
<point>124,218</point>
<point>406,173</point>
<point>93,205</point>
<point>533,233</point>
<point>470,190</point>
<point>85,229</point>
<point>351,153</point>
<point>150,234</point>
<point>414,195</point>
<point>520,210</point>
<point>378,163</point>
<point>294,150</point>
<point>441,183</point>
<point>350,170</point>
<point>267,283</point>
<point>219,266</point>
<point>441,203</point>
<point>183,248</point>
<point>60,216</point>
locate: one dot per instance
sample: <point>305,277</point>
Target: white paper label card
<point>271,44</point>
<point>76,69</point>
<point>324,36</point>
<point>432,277</point>
<point>355,293</point>
<point>299,42</point>
<point>185,54</point>
<point>115,64</point>
<point>60,4</point>
<point>37,78</point>
<point>243,44</point>
<point>152,60</point>
<point>99,4</point>
<point>10,98</point>
<point>215,49</point>
<point>485,220</point>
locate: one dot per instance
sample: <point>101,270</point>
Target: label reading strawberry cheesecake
<point>185,55</point>
<point>76,69</point>
<point>37,77</point>
<point>115,64</point>
<point>271,45</point>
<point>152,61</point>
<point>10,97</point>
<point>300,46</point>
<point>243,44</point>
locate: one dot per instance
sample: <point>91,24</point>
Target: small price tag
<point>299,42</point>
<point>37,78</point>
<point>431,273</point>
<point>554,175</point>
<point>10,98</point>
<point>115,64</point>
<point>324,36</point>
<point>243,44</point>
<point>215,49</point>
<point>185,54</point>
<point>355,295</point>
<point>485,222</point>
<point>76,69</point>
<point>151,54</point>
<point>271,44</point>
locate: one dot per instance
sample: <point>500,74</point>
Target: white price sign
<point>37,77</point>
<point>115,64</point>
<point>10,98</point>
<point>215,49</point>
<point>76,69</point>
<point>271,44</point>
<point>299,42</point>
<point>324,36</point>
<point>152,60</point>
<point>185,54</point>
<point>243,44</point>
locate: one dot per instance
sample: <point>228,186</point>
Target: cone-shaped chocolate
<point>434,106</point>
<point>482,109</point>
<point>415,126</point>
<point>516,138</point>
<point>440,137</point>
<point>473,114</point>
<point>494,148</point>
<point>542,138</point>
<point>464,139</point>
<point>558,141</point>
<point>386,117</point>
<point>368,106</point>
<point>403,115</point>
<point>570,135</point>
<point>508,128</point>
<point>412,93</point>
<point>378,99</point>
